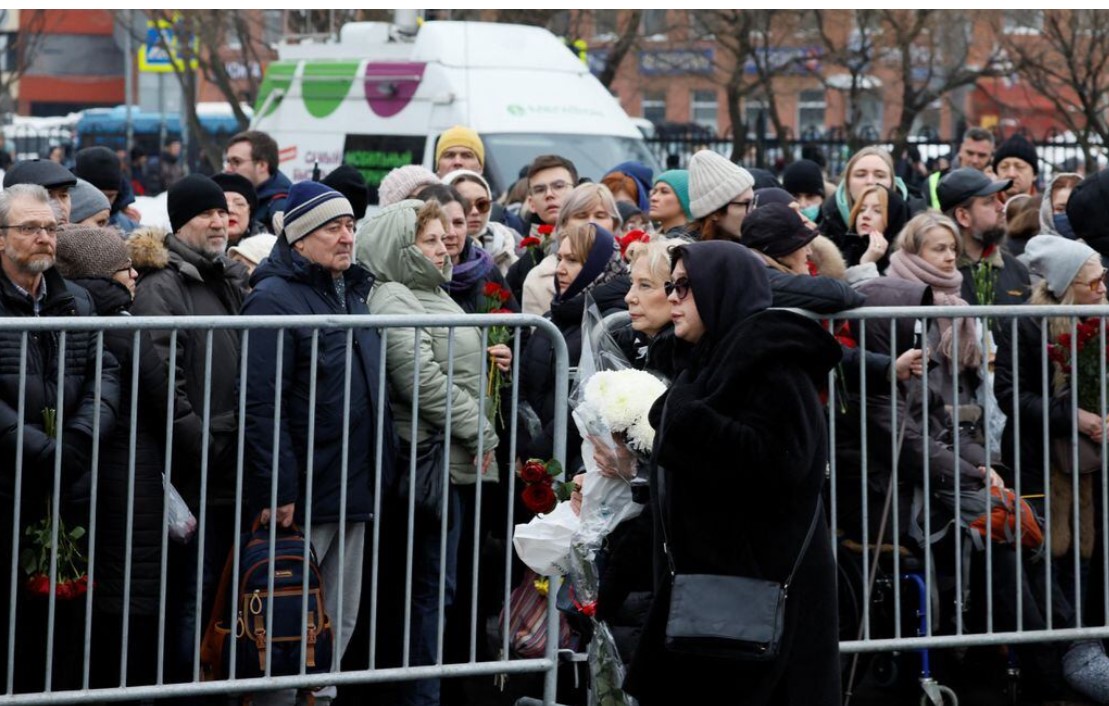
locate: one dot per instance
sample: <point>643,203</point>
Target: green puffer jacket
<point>408,283</point>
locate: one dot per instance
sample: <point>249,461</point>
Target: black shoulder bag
<point>727,617</point>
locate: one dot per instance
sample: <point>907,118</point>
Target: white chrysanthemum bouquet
<point>621,399</point>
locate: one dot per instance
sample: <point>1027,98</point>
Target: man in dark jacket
<point>990,275</point>
<point>311,271</point>
<point>31,287</point>
<point>253,154</point>
<point>185,273</point>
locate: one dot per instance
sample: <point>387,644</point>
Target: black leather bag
<point>429,475</point>
<point>729,617</point>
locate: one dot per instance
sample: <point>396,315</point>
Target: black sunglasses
<point>681,286</point>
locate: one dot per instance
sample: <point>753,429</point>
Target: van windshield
<point>593,155</point>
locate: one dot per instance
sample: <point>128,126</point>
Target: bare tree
<point>849,42</point>
<point>930,53</point>
<point>25,47</point>
<point>1067,62</point>
<point>626,40</point>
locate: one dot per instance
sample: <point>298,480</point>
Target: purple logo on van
<point>390,87</point>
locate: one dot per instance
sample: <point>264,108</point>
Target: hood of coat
<point>156,249</point>
<point>386,244</point>
<point>773,337</point>
<point>729,283</point>
<point>147,247</point>
<point>1047,212</point>
<point>827,258</point>
<point>285,262</point>
<point>890,291</point>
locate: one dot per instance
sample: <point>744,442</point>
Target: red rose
<point>504,294</point>
<point>813,269</point>
<point>530,242</point>
<point>492,289</point>
<point>988,251</point>
<point>38,585</point>
<point>539,498</point>
<point>534,472</point>
<point>64,591</point>
<point>545,230</point>
<point>1064,340</point>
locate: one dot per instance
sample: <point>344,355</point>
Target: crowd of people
<point>685,266</point>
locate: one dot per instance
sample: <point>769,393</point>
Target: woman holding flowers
<point>403,246</point>
<point>736,478</point>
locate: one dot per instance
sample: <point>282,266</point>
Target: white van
<point>376,101</point>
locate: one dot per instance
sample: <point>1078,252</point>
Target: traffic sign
<point>159,52</point>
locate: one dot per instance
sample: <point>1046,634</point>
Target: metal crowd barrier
<point>886,610</point>
<point>163,687</point>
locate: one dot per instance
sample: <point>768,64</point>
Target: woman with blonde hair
<point>587,203</point>
<point>869,166</point>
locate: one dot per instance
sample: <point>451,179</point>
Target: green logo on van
<point>517,110</point>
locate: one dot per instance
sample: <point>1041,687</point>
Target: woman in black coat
<point>737,472</point>
<point>97,260</point>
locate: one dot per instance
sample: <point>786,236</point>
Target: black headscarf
<point>729,283</point>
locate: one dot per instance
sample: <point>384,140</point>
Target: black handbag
<point>429,475</point>
<point>728,617</point>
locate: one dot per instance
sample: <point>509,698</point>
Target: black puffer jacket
<point>148,417</point>
<point>175,280</point>
<point>537,370</point>
<point>76,399</point>
<point>287,284</point>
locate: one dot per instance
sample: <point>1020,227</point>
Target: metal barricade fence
<point>61,667</point>
<point>934,578</point>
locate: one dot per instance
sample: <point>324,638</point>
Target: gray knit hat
<point>714,180</point>
<point>1056,259</point>
<point>85,201</point>
<point>399,184</point>
<point>85,252</point>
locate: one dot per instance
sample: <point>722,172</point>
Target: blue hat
<point>310,206</point>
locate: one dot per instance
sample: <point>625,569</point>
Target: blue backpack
<point>253,603</point>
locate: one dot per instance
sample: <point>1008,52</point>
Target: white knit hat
<point>714,180</point>
<point>399,184</point>
<point>1056,259</point>
<point>254,248</point>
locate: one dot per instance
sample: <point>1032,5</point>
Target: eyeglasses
<point>29,229</point>
<point>481,205</point>
<point>556,187</point>
<point>1098,281</point>
<point>126,268</point>
<point>681,286</point>
<point>745,204</point>
<point>236,162</point>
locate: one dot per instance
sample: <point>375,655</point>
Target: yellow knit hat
<point>460,136</point>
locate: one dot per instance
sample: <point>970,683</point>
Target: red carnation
<point>539,498</point>
<point>1064,340</point>
<point>64,591</point>
<point>988,251</point>
<point>38,585</point>
<point>535,471</point>
<point>530,242</point>
<point>545,229</point>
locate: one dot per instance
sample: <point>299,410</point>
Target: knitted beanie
<point>310,206</point>
<point>191,196</point>
<point>255,248</point>
<point>1019,147</point>
<point>349,182</point>
<point>85,200</point>
<point>1056,259</point>
<point>99,166</point>
<point>44,172</point>
<point>803,177</point>
<point>460,136</point>
<point>678,180</point>
<point>86,252</point>
<point>714,181</point>
<point>399,184</point>
<point>238,184</point>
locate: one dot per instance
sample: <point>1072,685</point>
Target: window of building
<point>705,109</point>
<point>604,23</point>
<point>870,115</point>
<point>9,55</point>
<point>700,24</point>
<point>654,107</point>
<point>1022,21</point>
<point>811,109</point>
<point>654,22</point>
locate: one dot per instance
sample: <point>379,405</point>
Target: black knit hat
<point>764,178</point>
<point>99,166</point>
<point>44,172</point>
<point>192,196</point>
<point>1017,146</point>
<point>349,182</point>
<point>803,177</point>
<point>239,184</point>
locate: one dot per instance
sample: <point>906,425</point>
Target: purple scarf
<point>473,266</point>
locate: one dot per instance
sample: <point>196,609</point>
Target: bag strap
<point>663,520</point>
